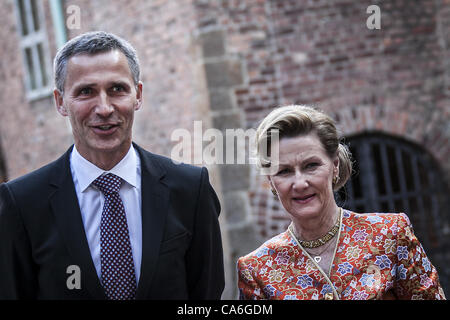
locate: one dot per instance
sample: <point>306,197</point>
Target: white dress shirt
<point>91,201</point>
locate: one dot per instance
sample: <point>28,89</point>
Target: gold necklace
<point>318,257</point>
<point>324,239</point>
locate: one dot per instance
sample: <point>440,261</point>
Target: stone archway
<point>432,134</point>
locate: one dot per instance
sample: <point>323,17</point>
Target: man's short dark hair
<point>92,43</point>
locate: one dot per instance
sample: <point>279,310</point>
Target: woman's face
<point>304,177</point>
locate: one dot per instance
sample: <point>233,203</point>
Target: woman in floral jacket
<point>328,252</point>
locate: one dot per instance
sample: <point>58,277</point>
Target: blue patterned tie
<point>117,267</point>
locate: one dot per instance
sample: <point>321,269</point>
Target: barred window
<point>34,47</point>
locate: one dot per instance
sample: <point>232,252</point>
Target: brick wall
<point>322,53</point>
<point>162,33</point>
<point>393,80</point>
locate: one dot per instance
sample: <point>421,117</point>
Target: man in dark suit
<point>108,220</point>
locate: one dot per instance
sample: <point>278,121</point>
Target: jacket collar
<point>66,210</point>
<point>155,205</point>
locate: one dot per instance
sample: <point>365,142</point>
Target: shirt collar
<point>86,172</point>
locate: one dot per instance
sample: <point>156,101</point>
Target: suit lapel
<point>155,201</point>
<point>64,204</point>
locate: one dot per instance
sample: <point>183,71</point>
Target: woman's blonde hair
<point>297,120</point>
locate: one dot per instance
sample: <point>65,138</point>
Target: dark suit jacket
<point>42,234</point>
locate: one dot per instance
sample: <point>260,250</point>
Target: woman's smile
<point>303,199</point>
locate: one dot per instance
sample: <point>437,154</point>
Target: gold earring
<point>336,180</point>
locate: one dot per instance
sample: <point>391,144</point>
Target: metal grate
<point>393,175</point>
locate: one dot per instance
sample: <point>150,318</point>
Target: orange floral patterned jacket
<point>377,256</point>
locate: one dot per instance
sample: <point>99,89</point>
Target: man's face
<point>100,99</point>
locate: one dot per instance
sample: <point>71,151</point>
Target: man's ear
<point>139,93</point>
<point>59,102</point>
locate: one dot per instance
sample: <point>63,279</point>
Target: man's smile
<point>105,129</point>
